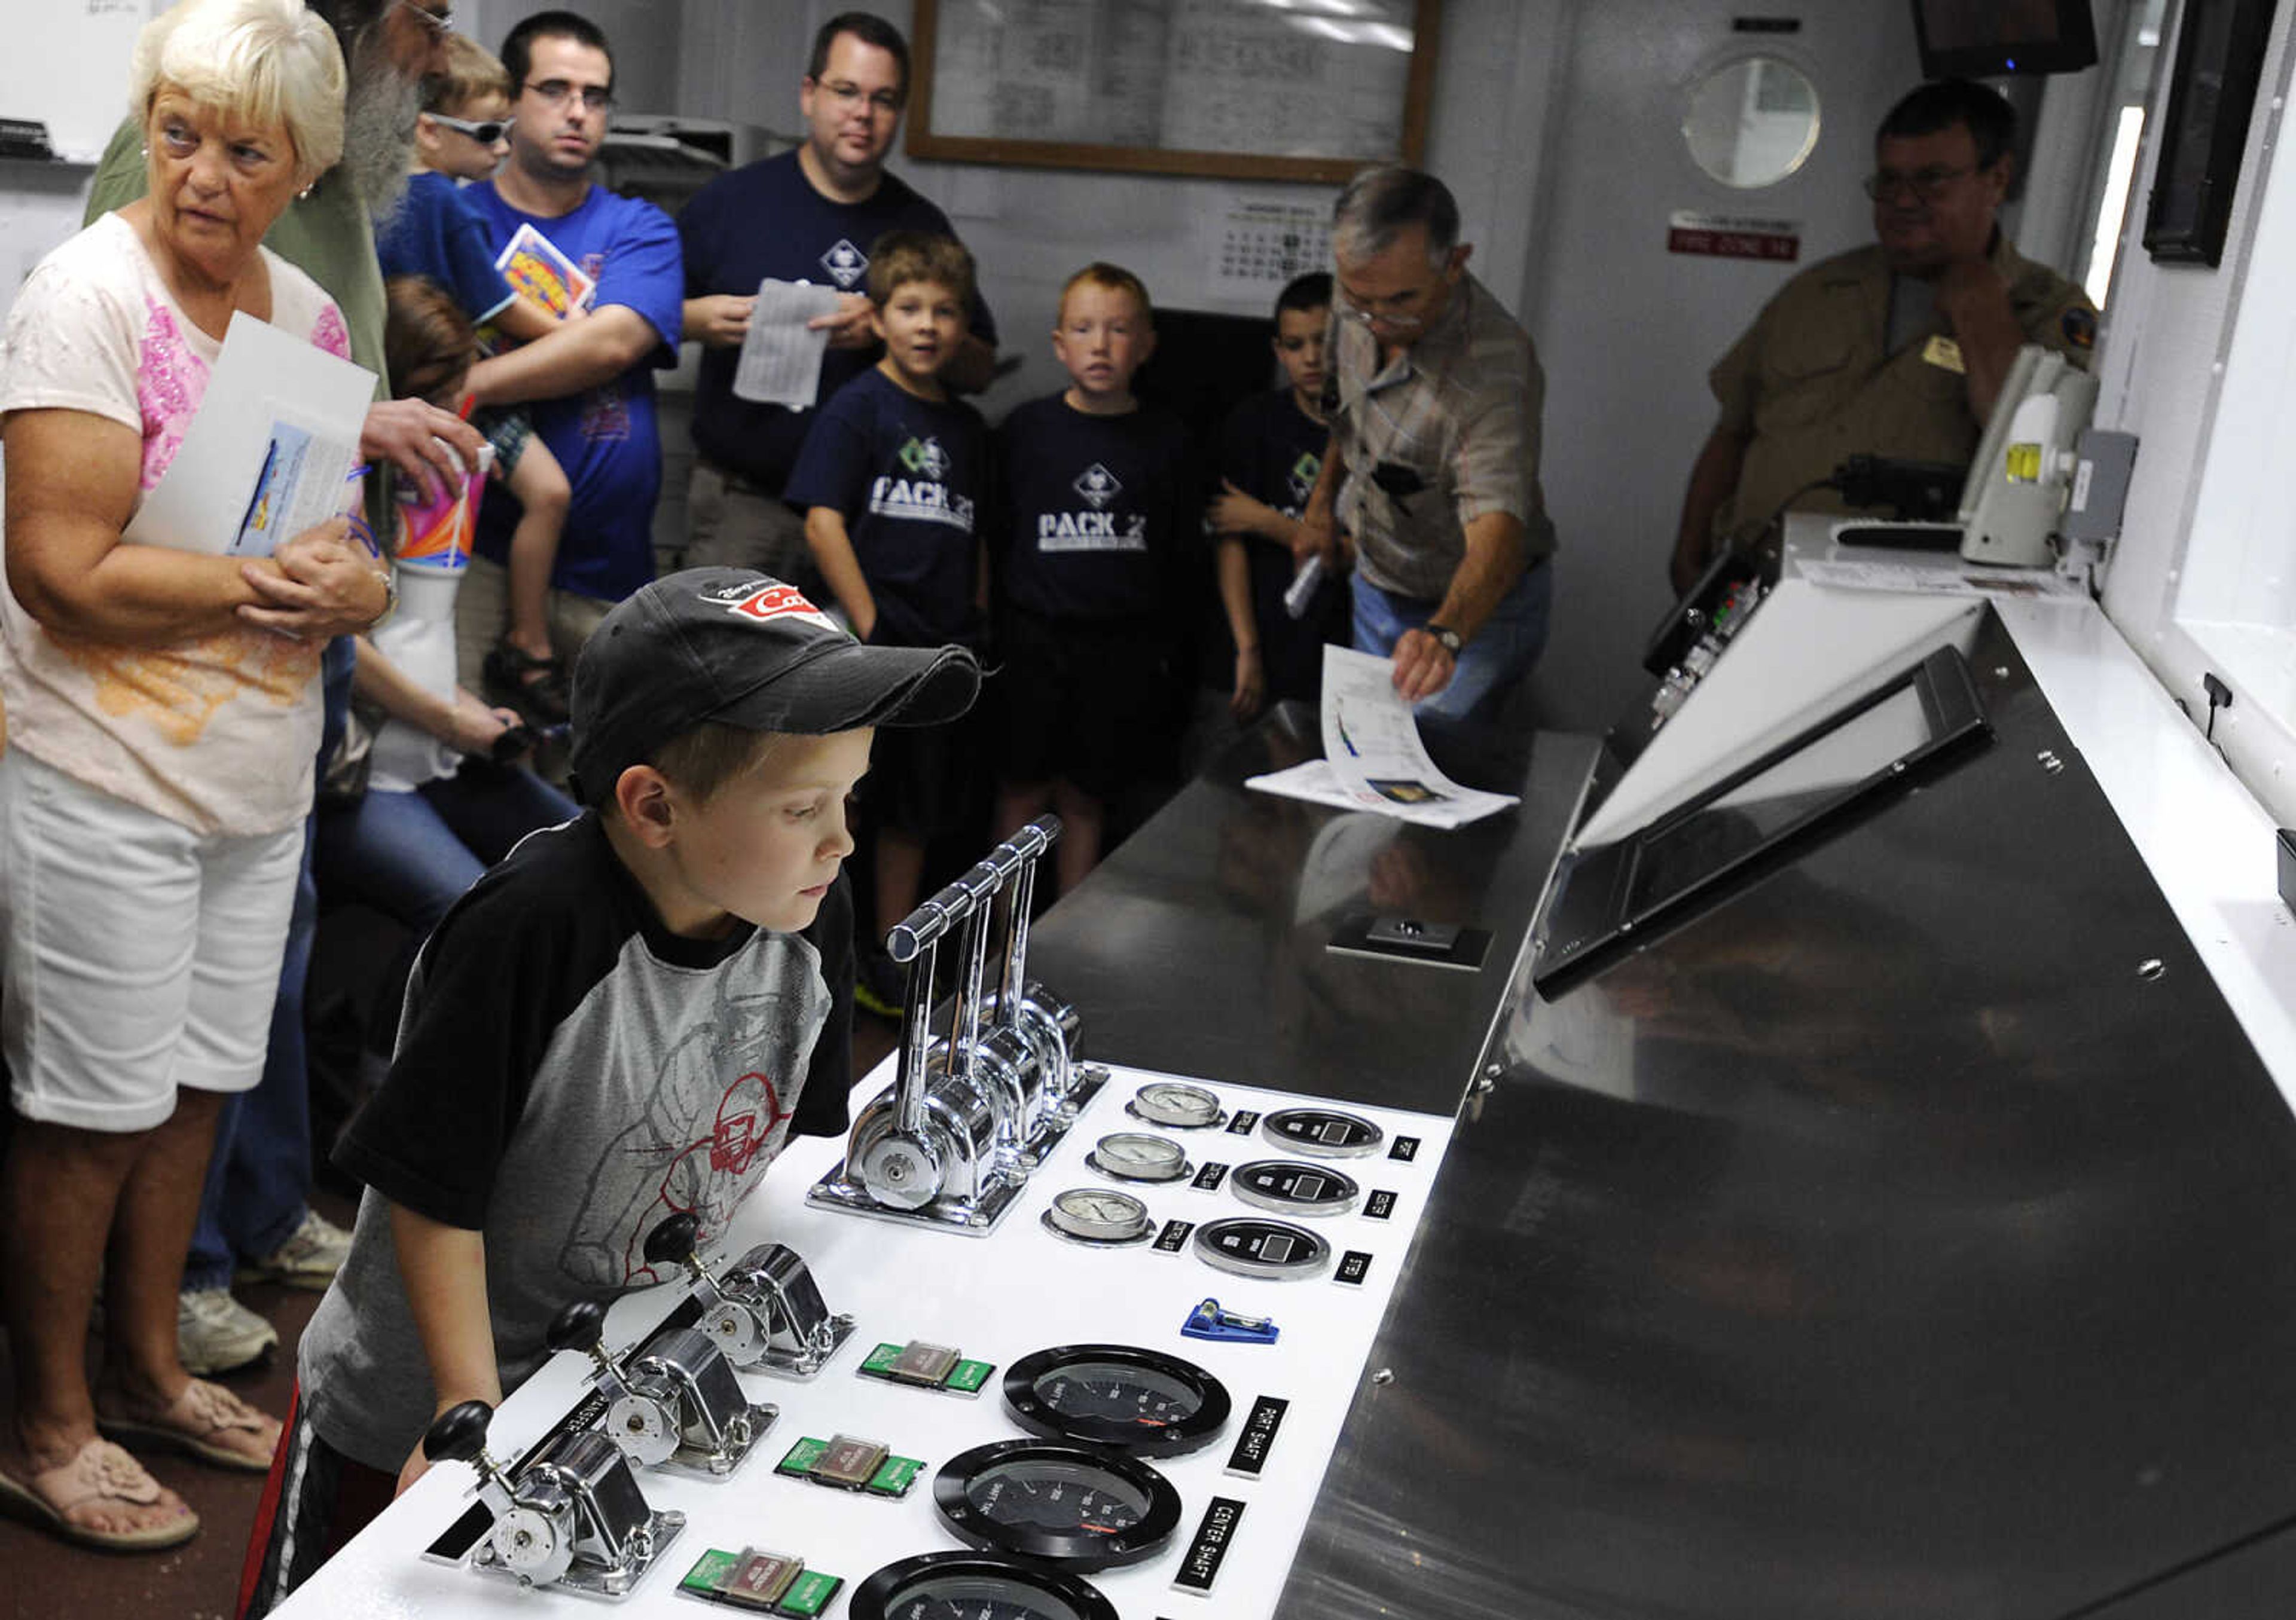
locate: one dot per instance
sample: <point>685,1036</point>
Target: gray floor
<point>47,1580</point>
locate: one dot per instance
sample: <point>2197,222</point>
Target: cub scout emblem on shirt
<point>1941,351</point>
<point>1097,484</point>
<point>1304,471</point>
<point>845,263</point>
<point>925,457</point>
<point>921,498</point>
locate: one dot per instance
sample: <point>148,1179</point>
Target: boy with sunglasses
<point>461,135</point>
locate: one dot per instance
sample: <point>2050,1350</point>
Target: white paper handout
<point>1372,757</point>
<point>268,453</point>
<point>781,356</point>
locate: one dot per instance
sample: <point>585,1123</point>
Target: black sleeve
<point>822,1107</point>
<point>497,977</point>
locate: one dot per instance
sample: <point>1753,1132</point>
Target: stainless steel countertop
<point>1880,1243</point>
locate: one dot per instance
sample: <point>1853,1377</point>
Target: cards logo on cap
<point>768,601</point>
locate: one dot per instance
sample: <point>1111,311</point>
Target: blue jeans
<point>258,1177</point>
<point>1490,666</point>
<point>410,855</point>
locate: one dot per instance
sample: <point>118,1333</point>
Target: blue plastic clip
<point>1208,1320</point>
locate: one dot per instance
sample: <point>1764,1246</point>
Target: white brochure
<point>1373,759</point>
<point>781,356</point>
<point>268,454</point>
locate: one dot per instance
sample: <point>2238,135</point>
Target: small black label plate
<point>1380,1206</point>
<point>1173,1238</point>
<point>1405,1148</point>
<point>1354,1267</point>
<point>1202,1565</point>
<point>1209,1178</point>
<point>1242,1122</point>
<point>1258,1436</point>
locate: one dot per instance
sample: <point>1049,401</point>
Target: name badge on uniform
<point>1943,351</point>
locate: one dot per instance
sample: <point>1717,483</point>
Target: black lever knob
<point>672,1242</point>
<point>458,1434</point>
<point>581,1326</point>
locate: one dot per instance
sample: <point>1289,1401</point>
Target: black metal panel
<point>1198,946</point>
<point>1890,1240</point>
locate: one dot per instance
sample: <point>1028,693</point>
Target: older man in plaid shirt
<point>1432,480</point>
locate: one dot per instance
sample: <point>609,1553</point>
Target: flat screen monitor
<point>1609,895</point>
<point>1991,38</point>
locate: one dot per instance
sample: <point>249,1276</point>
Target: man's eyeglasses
<point>485,133</point>
<point>1924,186</point>
<point>846,93</point>
<point>557,92</point>
<point>1347,310</point>
<point>441,21</point>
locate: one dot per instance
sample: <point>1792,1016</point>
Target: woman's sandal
<point>100,1476</point>
<point>535,687</point>
<point>198,1424</point>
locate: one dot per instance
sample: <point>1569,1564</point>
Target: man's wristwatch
<point>1447,637</point>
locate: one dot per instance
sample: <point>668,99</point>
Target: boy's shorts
<point>314,1501</point>
<point>507,428</point>
<point>920,778</point>
<point>1086,701</point>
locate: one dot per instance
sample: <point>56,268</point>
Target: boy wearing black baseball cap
<point>625,1019</point>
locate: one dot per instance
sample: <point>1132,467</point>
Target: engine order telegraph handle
<point>673,1241</point>
<point>458,1434</point>
<point>581,1326</point>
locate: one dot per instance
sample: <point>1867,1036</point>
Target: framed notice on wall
<point>1220,87</point>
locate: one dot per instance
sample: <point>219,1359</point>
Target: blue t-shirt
<point>906,474</point>
<point>1102,514</point>
<point>606,438</point>
<point>436,233</point>
<point>1272,450</point>
<point>765,219</point>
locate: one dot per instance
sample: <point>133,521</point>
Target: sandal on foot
<point>102,1476</point>
<point>535,687</point>
<point>202,1423</point>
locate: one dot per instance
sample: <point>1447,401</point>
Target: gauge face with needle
<point>1136,1156</point>
<point>1134,1400</point>
<point>1181,1108</point>
<point>1099,1216</point>
<point>974,1586</point>
<point>1065,1504</point>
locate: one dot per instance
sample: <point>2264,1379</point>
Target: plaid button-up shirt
<point>1458,413</point>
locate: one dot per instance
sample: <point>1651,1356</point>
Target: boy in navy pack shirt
<point>1101,497</point>
<point>890,480</point>
<point>1271,450</point>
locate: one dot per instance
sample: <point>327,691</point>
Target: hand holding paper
<point>781,356</point>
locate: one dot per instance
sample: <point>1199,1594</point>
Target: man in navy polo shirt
<point>810,214</point>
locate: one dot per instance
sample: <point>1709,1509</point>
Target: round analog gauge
<point>1183,1108</point>
<point>1097,1215</point>
<point>1291,1188</point>
<point>1135,1156</point>
<point>1065,1504</point>
<point>1322,1132</point>
<point>974,1586</point>
<point>1252,1247</point>
<point>1118,1396</point>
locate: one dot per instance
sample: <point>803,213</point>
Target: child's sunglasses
<point>485,134</point>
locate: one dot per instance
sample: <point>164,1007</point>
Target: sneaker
<point>215,1333</point>
<point>878,986</point>
<point>314,1252</point>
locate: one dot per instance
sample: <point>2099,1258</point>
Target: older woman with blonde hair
<point>162,709</point>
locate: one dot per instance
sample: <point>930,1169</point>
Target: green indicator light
<point>880,1360</point>
<point>810,1594</point>
<point>895,1475</point>
<point>801,1457</point>
<point>970,1376</point>
<point>708,1576</point>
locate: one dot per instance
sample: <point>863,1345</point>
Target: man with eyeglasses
<point>1898,349</point>
<point>590,382</point>
<point>1431,478</point>
<point>811,215</point>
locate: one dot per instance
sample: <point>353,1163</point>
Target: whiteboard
<point>68,70</point>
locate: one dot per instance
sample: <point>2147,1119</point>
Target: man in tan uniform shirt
<point>1897,349</point>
